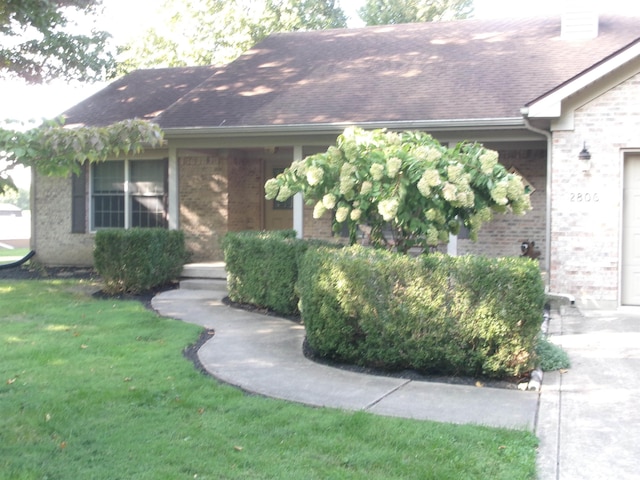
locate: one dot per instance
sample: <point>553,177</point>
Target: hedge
<point>435,314</point>
<point>262,267</point>
<point>139,259</point>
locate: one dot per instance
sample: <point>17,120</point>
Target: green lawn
<point>99,389</point>
<point>16,252</point>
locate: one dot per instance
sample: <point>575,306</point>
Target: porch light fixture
<point>585,158</point>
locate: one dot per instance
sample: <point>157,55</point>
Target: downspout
<point>547,135</point>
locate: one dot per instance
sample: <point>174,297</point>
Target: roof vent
<point>579,25</point>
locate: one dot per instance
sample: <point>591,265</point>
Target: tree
<point>37,43</point>
<point>386,12</point>
<point>403,182</point>
<point>209,32</point>
<point>54,150</point>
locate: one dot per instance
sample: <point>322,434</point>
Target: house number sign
<point>584,197</point>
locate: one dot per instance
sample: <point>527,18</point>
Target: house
<point>558,97</point>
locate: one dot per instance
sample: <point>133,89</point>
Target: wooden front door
<point>631,232</point>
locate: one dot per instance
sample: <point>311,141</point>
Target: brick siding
<point>504,234</point>
<point>586,206</point>
<point>204,203</point>
<point>51,235</point>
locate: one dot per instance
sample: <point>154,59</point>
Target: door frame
<point>624,155</point>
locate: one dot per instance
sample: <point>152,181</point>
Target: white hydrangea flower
<point>271,188</point>
<point>388,208</point>
<point>334,154</point>
<point>366,187</point>
<point>284,193</point>
<point>432,177</point>
<point>341,214</point>
<point>314,175</point>
<point>377,171</point>
<point>423,187</point>
<point>355,214</point>
<point>329,201</point>
<point>488,160</point>
<point>393,166</point>
<point>515,187</point>
<point>429,154</point>
<point>499,193</point>
<point>454,172</point>
<point>449,192</point>
<point>319,210</point>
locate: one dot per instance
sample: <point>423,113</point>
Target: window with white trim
<point>129,193</point>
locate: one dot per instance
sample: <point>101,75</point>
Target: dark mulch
<point>29,272</point>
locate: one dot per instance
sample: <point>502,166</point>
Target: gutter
<point>512,123</point>
<point>547,135</point>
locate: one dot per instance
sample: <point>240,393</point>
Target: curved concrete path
<point>263,355</point>
<point>587,419</point>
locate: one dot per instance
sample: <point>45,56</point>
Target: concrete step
<point>215,285</point>
<point>205,270</point>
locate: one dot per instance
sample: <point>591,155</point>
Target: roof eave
<point>453,125</point>
<point>549,105</point>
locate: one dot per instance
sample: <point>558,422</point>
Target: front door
<point>277,215</point>
<point>631,232</point>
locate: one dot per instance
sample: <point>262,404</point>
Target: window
<point>129,193</point>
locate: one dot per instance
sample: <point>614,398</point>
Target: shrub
<point>262,268</point>
<point>138,259</point>
<point>439,314</point>
<point>551,356</point>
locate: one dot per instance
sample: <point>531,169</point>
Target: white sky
<point>123,18</point>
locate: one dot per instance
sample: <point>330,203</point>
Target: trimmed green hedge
<point>262,267</point>
<point>438,314</point>
<point>138,259</point>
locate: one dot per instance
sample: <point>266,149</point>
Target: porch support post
<point>298,202</point>
<point>452,246</point>
<point>174,200</point>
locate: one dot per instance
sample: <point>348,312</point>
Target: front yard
<point>99,389</point>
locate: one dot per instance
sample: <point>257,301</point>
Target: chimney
<point>579,21</point>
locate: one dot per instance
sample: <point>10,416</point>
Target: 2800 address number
<point>581,197</point>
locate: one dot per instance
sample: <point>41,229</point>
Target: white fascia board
<point>337,128</point>
<point>550,106</point>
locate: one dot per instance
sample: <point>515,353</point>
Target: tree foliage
<point>37,42</point>
<point>209,32</point>
<point>405,183</point>
<point>53,149</point>
<point>386,12</point>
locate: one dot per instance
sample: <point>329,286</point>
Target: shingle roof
<point>471,69</point>
<point>142,94</point>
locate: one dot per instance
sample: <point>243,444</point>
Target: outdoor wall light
<point>585,157</point>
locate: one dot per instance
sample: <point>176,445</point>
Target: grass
<point>16,252</point>
<point>99,389</point>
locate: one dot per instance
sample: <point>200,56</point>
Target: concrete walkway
<point>263,355</point>
<point>587,419</point>
<point>589,416</point>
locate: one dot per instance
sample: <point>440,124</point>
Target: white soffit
<point>550,106</point>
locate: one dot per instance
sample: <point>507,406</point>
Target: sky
<point>123,18</point>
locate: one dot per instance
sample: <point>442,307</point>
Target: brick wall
<point>204,203</point>
<point>245,190</point>
<point>504,234</point>
<point>586,206</point>
<point>51,235</point>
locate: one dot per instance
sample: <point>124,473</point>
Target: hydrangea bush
<point>404,182</point>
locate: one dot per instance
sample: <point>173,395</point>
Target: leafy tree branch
<point>52,149</point>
